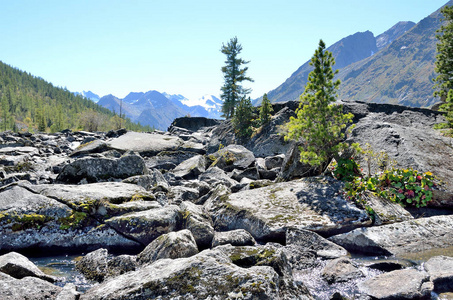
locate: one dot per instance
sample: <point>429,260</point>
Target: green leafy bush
<point>346,169</point>
<point>404,186</point>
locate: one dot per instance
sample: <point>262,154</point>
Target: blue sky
<point>117,47</point>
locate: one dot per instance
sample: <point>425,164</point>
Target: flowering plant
<point>404,186</point>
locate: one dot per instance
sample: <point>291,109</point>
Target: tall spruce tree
<point>319,122</point>
<point>444,65</point>
<point>444,57</point>
<point>234,74</point>
<point>243,118</point>
<point>265,110</point>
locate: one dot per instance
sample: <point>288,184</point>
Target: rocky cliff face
<point>208,218</point>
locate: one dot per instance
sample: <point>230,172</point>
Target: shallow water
<point>63,267</point>
<point>320,289</point>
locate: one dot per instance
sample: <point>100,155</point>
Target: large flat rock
<point>412,236</point>
<point>145,143</point>
<point>112,192</point>
<point>311,203</point>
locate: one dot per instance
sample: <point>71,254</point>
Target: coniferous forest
<point>29,103</point>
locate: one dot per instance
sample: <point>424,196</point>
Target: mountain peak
<point>393,33</point>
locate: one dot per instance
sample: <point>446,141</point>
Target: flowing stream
<point>63,267</point>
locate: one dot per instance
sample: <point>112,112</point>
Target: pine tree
<point>319,122</point>
<point>243,118</point>
<point>444,57</point>
<point>448,107</point>
<point>265,110</point>
<point>233,75</point>
<point>5,115</point>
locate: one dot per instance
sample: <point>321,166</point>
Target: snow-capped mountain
<point>210,103</point>
<point>89,95</point>
<point>160,109</point>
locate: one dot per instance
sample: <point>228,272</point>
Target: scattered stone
<point>440,270</point>
<point>94,265</point>
<point>310,241</point>
<point>215,176</point>
<point>18,266</point>
<point>233,157</point>
<point>191,168</point>
<point>198,222</point>
<point>400,284</point>
<point>154,181</point>
<point>121,264</point>
<point>341,270</point>
<point>145,226</point>
<point>171,245</point>
<point>238,237</point>
<point>27,288</point>
<point>386,211</point>
<point>94,169</point>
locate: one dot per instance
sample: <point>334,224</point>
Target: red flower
<point>419,178</point>
<point>410,194</point>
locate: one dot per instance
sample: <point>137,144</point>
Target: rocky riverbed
<point>189,213</point>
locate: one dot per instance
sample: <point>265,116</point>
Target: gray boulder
<point>18,266</point>
<point>95,146</point>
<point>179,194</point>
<point>238,237</point>
<point>311,241</point>
<point>98,169</point>
<point>168,160</point>
<point>193,123</point>
<point>400,238</point>
<point>268,141</point>
<point>293,168</point>
<point>207,275</point>
<point>233,157</point>
<point>341,270</point>
<point>94,265</point>
<point>272,162</point>
<point>215,176</point>
<point>154,181</point>
<point>258,255</point>
<point>121,264</point>
<point>411,284</point>
<point>27,288</point>
<point>147,225</point>
<point>440,270</point>
<point>249,173</point>
<point>68,292</point>
<point>386,211</point>
<point>191,168</point>
<point>311,203</point>
<point>198,222</point>
<point>171,245</point>
<point>146,144</point>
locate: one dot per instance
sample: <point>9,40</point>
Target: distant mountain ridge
<point>160,109</point>
<point>400,73</point>
<point>347,51</point>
